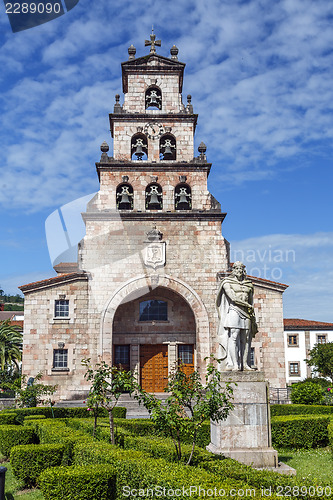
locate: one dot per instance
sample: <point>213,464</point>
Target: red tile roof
<point>305,324</point>
<point>53,281</point>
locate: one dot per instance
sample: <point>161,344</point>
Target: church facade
<point>143,291</point>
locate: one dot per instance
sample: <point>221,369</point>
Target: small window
<point>168,148</point>
<point>292,340</point>
<point>321,339</point>
<point>153,310</point>
<point>154,197</point>
<point>61,309</point>
<point>122,356</point>
<point>294,369</point>
<point>124,196</point>
<point>183,197</point>
<point>60,359</point>
<point>185,354</point>
<point>153,98</point>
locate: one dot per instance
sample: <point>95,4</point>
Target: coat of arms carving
<point>154,254</point>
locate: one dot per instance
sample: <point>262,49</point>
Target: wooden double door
<point>154,367</point>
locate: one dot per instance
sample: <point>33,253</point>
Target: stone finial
<point>153,42</point>
<point>154,235</point>
<point>174,52</point>
<point>189,107</point>
<point>131,52</point>
<point>104,147</point>
<point>117,107</point>
<point>202,150</point>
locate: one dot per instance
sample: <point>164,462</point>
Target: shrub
<point>7,418</point>
<point>330,435</point>
<point>12,435</point>
<point>300,432</point>
<point>279,410</point>
<point>31,419</point>
<point>79,482</point>
<point>79,412</point>
<point>28,461</point>
<point>308,393</point>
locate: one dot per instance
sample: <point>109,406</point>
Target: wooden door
<point>154,367</point>
<point>186,358</point>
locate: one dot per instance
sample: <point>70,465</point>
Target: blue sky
<point>261,78</point>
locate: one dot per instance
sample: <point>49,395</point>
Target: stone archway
<point>140,285</point>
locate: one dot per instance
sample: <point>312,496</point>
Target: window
<point>153,98</point>
<point>292,340</point>
<point>154,197</point>
<point>139,147</point>
<point>60,359</point>
<point>168,149</point>
<point>183,197</point>
<point>124,196</point>
<point>185,354</point>
<point>321,338</point>
<point>153,310</point>
<point>61,309</point>
<point>122,355</point>
<point>294,369</point>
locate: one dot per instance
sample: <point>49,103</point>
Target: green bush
<point>308,393</point>
<point>31,419</point>
<point>28,461</point>
<point>7,418</point>
<point>12,435</point>
<point>279,410</point>
<point>102,431</point>
<point>56,431</point>
<point>300,432</point>
<point>330,435</point>
<point>60,412</point>
<point>89,482</point>
<point>136,470</point>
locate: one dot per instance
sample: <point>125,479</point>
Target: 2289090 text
<point>33,8</point>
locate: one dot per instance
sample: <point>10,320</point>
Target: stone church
<point>142,293</point>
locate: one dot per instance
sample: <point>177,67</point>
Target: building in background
<point>142,293</point>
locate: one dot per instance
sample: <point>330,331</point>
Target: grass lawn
<point>13,489</point>
<point>315,464</point>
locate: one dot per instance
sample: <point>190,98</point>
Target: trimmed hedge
<point>29,461</point>
<point>7,418</point>
<point>300,432</point>
<point>12,435</point>
<point>56,431</point>
<point>279,410</point>
<point>60,412</point>
<point>79,483</point>
<point>330,435</point>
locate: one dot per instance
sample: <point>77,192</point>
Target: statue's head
<point>238,270</point>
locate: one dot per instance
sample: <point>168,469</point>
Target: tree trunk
<point>111,427</point>
<point>193,446</point>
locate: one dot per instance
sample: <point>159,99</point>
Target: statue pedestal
<point>246,434</point>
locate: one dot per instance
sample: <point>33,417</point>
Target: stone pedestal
<point>246,434</point>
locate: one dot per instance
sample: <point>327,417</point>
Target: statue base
<point>246,434</point>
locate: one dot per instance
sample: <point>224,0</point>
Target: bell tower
<point>154,218</point>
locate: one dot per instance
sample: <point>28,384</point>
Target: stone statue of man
<point>237,325</point>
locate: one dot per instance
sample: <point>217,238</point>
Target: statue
<point>237,324</point>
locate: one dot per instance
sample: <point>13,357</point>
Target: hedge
<point>60,412</point>
<point>137,471</point>
<point>28,461</point>
<point>300,432</point>
<point>279,410</point>
<point>7,418</point>
<point>12,435</point>
<point>55,431</point>
<point>92,482</point>
<point>102,431</point>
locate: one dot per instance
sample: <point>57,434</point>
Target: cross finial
<point>153,42</point>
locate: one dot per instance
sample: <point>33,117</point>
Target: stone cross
<point>152,42</point>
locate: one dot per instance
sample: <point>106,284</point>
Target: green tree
<point>108,383</point>
<point>10,345</point>
<point>189,404</point>
<point>29,392</point>
<point>321,358</point>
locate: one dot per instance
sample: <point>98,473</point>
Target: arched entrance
<point>149,323</point>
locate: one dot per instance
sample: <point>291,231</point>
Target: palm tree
<point>10,345</point>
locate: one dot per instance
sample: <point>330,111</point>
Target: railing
<point>279,396</point>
